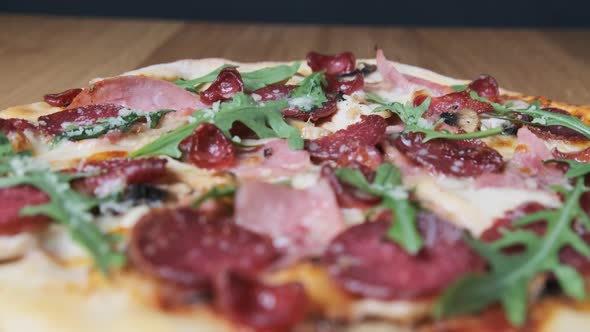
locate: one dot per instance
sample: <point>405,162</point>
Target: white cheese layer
<point>471,208</point>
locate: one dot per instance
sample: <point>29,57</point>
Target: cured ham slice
<point>526,169</point>
<point>301,222</point>
<point>272,160</point>
<point>139,93</point>
<point>395,80</point>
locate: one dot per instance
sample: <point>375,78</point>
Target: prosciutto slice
<point>139,93</point>
<point>526,169</point>
<point>301,222</point>
<point>272,160</point>
<point>393,79</point>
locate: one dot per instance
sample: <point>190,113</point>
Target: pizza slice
<point>331,194</point>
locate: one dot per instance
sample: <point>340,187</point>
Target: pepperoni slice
<point>485,86</point>
<point>116,174</point>
<point>262,307</point>
<point>556,131</point>
<point>365,263</point>
<point>333,64</point>
<point>62,99</point>
<point>228,83</point>
<point>582,156</point>
<point>14,125</point>
<point>346,85</point>
<point>56,123</point>
<point>184,247</point>
<point>14,131</point>
<point>451,157</point>
<point>353,144</point>
<point>328,108</point>
<point>208,147</point>
<point>274,92</point>
<point>12,200</point>
<point>281,91</point>
<point>346,195</point>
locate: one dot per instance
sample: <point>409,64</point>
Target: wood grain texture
<point>39,54</point>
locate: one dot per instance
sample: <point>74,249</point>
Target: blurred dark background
<point>495,13</point>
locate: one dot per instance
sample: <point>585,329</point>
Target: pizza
<point>330,194</point>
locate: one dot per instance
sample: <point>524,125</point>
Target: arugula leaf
<point>215,192</point>
<point>167,144</point>
<point>540,116</point>
<point>265,119</point>
<point>309,93</point>
<point>5,146</point>
<point>373,97</point>
<point>510,274</point>
<point>191,85</point>
<point>414,121</point>
<point>410,115</point>
<point>387,185</point>
<point>124,122</point>
<point>257,79</point>
<point>252,80</point>
<point>66,206</point>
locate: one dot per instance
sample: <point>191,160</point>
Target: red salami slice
<point>582,156</point>
<point>353,144</point>
<point>450,157</point>
<point>333,64</point>
<point>228,83</point>
<point>328,108</point>
<point>61,99</point>
<point>346,85</point>
<point>12,200</point>
<point>346,195</point>
<point>274,92</point>
<point>365,263</point>
<point>9,126</point>
<point>485,86</point>
<point>556,132</point>
<point>139,93</point>
<point>14,131</point>
<point>208,147</point>
<point>117,173</point>
<point>263,307</point>
<point>56,123</point>
<point>184,247</point>
<point>281,91</point>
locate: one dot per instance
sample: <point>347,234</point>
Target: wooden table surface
<point>39,54</point>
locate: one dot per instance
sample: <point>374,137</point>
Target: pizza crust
<point>61,300</point>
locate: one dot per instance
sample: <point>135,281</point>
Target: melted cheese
<point>350,110</point>
<point>471,208</point>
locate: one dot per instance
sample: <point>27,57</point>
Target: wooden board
<point>40,54</point>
